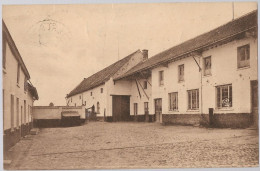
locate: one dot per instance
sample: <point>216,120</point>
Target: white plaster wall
<point>47,112</point>
<point>224,71</point>
<point>172,84</point>
<point>135,97</point>
<point>97,96</point>
<point>10,86</point>
<point>54,112</point>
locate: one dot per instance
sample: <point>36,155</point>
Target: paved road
<point>101,145</point>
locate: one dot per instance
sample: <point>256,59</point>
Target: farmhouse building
<point>109,100</point>
<point>18,93</point>
<point>210,79</point>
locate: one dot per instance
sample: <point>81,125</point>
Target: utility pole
<point>233,11</point>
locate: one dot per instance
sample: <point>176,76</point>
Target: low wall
<point>50,116</point>
<point>54,112</point>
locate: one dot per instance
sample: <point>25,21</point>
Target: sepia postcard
<point>130,85</point>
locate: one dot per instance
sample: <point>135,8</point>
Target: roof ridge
<point>101,76</point>
<point>245,15</point>
<point>113,63</point>
<point>231,28</point>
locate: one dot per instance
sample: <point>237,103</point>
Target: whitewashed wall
<point>54,112</point>
<point>135,97</point>
<point>224,71</point>
<point>10,86</point>
<point>97,96</point>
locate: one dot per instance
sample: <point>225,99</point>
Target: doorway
<point>254,102</point>
<point>158,110</point>
<point>121,108</point>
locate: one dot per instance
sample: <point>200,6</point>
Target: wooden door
<point>254,95</point>
<point>158,110</point>
<point>121,108</point>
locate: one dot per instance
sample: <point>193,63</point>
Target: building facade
<point>18,93</point>
<point>110,99</point>
<point>211,79</point>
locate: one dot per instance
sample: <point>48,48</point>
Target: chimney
<point>145,54</point>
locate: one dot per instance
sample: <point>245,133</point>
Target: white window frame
<point>197,100</point>
<point>173,97</point>
<point>228,103</point>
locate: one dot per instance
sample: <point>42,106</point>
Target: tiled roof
<point>100,77</point>
<point>221,33</point>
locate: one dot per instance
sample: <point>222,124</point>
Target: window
<point>98,107</point>
<point>12,111</point>
<point>193,99</point>
<point>18,73</point>
<point>181,72</point>
<point>85,103</point>
<point>161,78</point>
<point>90,93</point>
<point>243,56</point>
<point>207,65</point>
<point>173,101</point>
<point>17,112</point>
<point>101,90</point>
<point>79,96</point>
<point>4,52</point>
<point>75,104</point>
<point>71,99</point>
<point>224,96</point>
<point>135,109</point>
<point>145,84</point>
<point>146,108</point>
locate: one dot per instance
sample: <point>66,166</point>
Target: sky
<point>63,44</point>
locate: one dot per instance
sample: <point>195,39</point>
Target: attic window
<point>243,56</point>
<point>161,78</point>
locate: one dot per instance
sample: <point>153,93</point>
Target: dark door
<point>121,108</point>
<point>146,111</point>
<point>254,91</point>
<point>158,110</point>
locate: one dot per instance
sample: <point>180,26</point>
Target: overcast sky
<point>62,44</point>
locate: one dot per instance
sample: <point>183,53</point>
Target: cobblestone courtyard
<point>100,145</point>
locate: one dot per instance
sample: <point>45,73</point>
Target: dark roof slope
<point>14,49</point>
<point>33,91</point>
<point>100,77</point>
<point>223,32</point>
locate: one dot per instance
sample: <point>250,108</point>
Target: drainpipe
<point>200,70</point>
<point>201,110</point>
